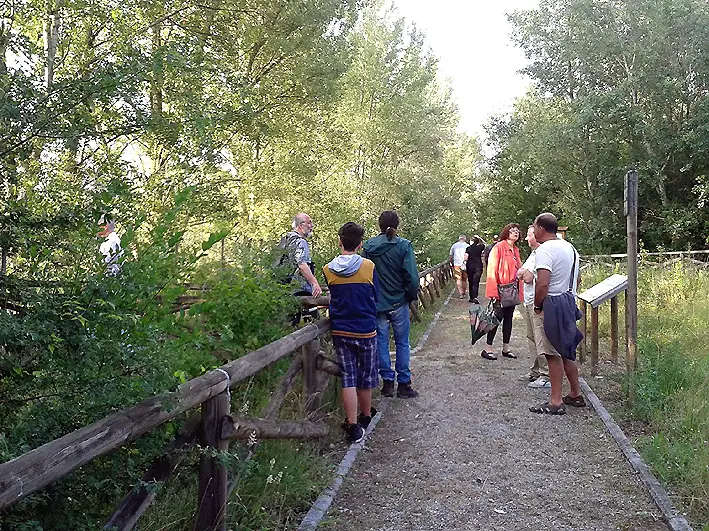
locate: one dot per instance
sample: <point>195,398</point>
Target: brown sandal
<point>548,409</point>
<point>576,402</point>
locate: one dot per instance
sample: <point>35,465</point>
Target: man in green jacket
<point>398,286</point>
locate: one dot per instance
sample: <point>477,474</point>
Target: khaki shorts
<point>460,274</point>
<point>543,345</point>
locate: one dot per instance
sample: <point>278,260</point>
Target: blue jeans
<point>399,319</point>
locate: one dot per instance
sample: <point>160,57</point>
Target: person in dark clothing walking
<point>474,266</point>
<point>488,248</point>
<point>398,286</point>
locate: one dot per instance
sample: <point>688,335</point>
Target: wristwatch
<point>537,309</point>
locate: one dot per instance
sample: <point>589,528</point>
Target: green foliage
<point>203,128</point>
<point>617,85</point>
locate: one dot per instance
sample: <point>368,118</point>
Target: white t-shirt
<point>559,257</point>
<point>529,288</point>
<point>112,252</point>
<point>458,252</point>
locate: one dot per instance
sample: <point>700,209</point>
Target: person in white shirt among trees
<point>456,258</point>
<point>111,246</point>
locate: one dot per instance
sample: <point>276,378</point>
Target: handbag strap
<point>573,272</point>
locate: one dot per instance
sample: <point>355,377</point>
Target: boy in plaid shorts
<point>353,317</point>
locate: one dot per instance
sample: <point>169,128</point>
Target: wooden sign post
<point>631,295</point>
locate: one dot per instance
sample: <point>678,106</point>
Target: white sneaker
<point>540,383</point>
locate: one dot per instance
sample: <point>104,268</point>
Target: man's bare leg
<point>556,377</point>
<point>572,374</point>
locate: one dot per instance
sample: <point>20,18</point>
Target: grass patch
<point>672,380</point>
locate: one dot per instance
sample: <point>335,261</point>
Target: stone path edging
<point>657,492</point>
<point>319,509</point>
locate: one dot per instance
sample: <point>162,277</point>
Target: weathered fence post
<point>594,341</point>
<point>313,400</point>
<point>614,329</point>
<point>212,497</point>
<point>584,328</point>
<point>631,211</point>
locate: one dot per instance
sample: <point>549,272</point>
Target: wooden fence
<point>213,429</point>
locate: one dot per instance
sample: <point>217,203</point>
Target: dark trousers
<point>474,282</point>
<point>507,315</point>
<point>309,315</point>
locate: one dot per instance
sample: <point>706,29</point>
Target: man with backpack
<point>296,262</point>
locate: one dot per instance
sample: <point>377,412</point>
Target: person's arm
<point>308,275</point>
<point>411,275</point>
<point>526,275</point>
<point>541,289</point>
<point>450,256</point>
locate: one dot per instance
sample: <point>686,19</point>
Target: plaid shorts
<point>359,361</point>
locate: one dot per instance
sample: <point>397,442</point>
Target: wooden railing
<point>213,429</point>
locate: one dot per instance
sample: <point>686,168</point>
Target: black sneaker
<point>354,432</point>
<point>404,390</point>
<point>388,388</point>
<point>509,355</point>
<point>364,420</point>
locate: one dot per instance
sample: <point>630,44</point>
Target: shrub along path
<point>468,455</point>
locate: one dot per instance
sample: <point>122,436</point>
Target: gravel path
<point>468,455</point>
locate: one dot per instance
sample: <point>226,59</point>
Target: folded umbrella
<point>482,320</point>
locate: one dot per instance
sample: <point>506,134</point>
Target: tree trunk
<point>157,82</point>
<point>51,38</point>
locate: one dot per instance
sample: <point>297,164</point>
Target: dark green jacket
<point>396,268</point>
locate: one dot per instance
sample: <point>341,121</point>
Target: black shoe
<point>474,301</point>
<point>404,390</point>
<point>355,432</point>
<point>509,355</point>
<point>364,420</point>
<point>488,355</point>
<point>388,388</point>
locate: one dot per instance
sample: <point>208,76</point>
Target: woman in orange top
<point>502,266</point>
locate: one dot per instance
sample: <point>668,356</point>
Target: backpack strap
<point>573,272</point>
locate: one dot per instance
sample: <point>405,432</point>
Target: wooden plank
<point>594,342</point>
<point>414,312</point>
<point>614,329</point>
<point>279,395</point>
<point>604,290</point>
<point>212,492</point>
<point>314,301</point>
<point>313,399</point>
<point>245,427</point>
<point>329,366</point>
<point>139,499</point>
<point>583,346</point>
<point>44,465</point>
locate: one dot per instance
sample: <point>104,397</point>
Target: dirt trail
<point>468,455</point>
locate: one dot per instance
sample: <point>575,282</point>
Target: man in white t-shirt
<point>557,280</point>
<point>111,246</point>
<point>456,258</point>
<point>538,374</point>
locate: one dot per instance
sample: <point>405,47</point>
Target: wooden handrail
<point>48,463</point>
<point>56,459</point>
